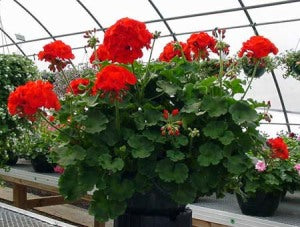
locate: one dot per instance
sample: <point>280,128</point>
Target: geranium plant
<point>290,63</point>
<point>133,126</point>
<point>273,170</point>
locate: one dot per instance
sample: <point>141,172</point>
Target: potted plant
<point>146,138</point>
<point>15,70</point>
<point>290,63</point>
<point>272,173</point>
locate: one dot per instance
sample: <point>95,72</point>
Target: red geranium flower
<point>258,47</point>
<point>279,148</point>
<point>101,53</point>
<point>56,53</point>
<point>200,43</point>
<point>74,84</point>
<point>170,51</point>
<point>175,112</point>
<point>113,79</point>
<point>27,99</point>
<point>125,39</point>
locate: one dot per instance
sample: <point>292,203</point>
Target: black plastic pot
<point>248,70</point>
<point>154,208</point>
<point>296,69</point>
<point>12,158</point>
<point>261,204</point>
<point>40,164</point>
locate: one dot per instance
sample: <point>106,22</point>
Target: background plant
<point>15,70</point>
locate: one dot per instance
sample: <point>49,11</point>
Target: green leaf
<point>147,166</point>
<point>167,87</point>
<point>237,164</point>
<point>93,152</point>
<point>142,147</point>
<point>215,129</point>
<point>104,208</point>
<point>71,155</point>
<point>120,189</point>
<point>170,171</point>
<point>191,106</point>
<point>210,154</point>
<point>68,184</point>
<point>180,140</point>
<point>175,156</point>
<point>236,86</point>
<point>227,138</point>
<point>184,194</point>
<point>96,121</point>
<point>215,106</point>
<point>88,177</point>
<point>154,135</point>
<point>205,84</point>
<point>114,165</point>
<point>242,112</point>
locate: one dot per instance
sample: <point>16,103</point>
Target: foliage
<point>174,125</point>
<point>15,70</point>
<point>290,63</point>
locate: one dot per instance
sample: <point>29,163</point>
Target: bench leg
<point>20,196</point>
<point>98,224</point>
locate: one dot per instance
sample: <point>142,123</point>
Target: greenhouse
<point>150,113</point>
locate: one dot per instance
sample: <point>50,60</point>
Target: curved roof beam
<point>91,15</point>
<point>165,22</point>
<point>272,71</point>
<point>186,16</point>
<point>37,20</point>
<point>224,11</point>
<point>11,39</point>
<point>177,34</point>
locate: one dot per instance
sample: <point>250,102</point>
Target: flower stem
<point>52,125</point>
<point>118,127</point>
<point>221,72</point>
<point>252,77</point>
<point>67,81</point>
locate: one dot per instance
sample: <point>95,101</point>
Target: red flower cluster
<point>100,54</point>
<point>74,84</point>
<point>200,43</point>
<point>172,127</point>
<point>125,39</point>
<point>258,47</point>
<point>170,51</point>
<point>113,79</point>
<point>56,53</point>
<point>27,99</point>
<point>279,148</point>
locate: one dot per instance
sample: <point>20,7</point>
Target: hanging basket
<point>249,68</point>
<point>261,204</point>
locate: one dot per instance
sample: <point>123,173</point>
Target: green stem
<point>52,125</point>
<point>118,127</point>
<point>221,72</point>
<point>252,77</point>
<point>191,145</point>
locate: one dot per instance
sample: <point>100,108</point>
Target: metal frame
<point>11,39</point>
<point>35,18</point>
<point>164,21</point>
<point>91,15</point>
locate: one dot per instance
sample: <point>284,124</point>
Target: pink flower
<point>260,166</point>
<point>297,167</point>
<point>59,169</point>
